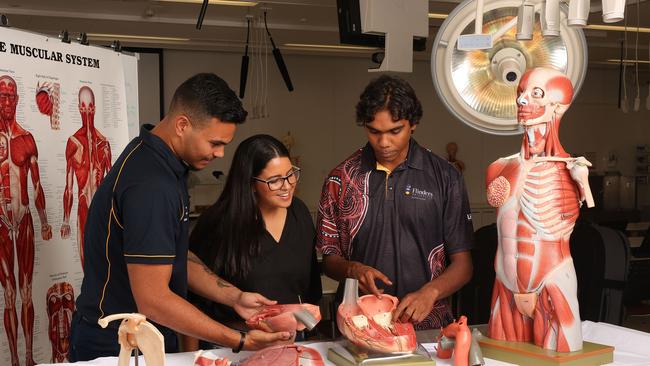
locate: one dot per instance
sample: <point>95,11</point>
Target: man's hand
<point>256,339</point>
<point>46,232</point>
<point>415,306</point>
<point>367,276</point>
<point>249,303</point>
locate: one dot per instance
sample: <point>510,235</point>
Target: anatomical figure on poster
<point>60,126</point>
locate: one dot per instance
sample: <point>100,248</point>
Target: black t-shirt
<point>417,215</point>
<point>139,214</point>
<point>283,271</point>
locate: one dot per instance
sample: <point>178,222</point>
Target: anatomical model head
<point>543,96</point>
<point>60,306</point>
<point>8,98</point>
<point>87,105</point>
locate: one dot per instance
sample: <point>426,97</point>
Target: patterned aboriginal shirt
<point>404,223</point>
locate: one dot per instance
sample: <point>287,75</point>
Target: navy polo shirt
<point>139,214</point>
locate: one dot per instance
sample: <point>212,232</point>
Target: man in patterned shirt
<point>394,215</point>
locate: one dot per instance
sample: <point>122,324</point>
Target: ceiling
<point>224,27</point>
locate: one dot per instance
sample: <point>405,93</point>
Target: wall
<point>320,116</point>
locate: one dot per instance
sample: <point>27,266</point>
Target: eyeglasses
<point>277,183</point>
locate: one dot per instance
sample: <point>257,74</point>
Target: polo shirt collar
<point>163,150</point>
<point>414,157</point>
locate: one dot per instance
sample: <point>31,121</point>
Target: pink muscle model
<point>285,355</point>
<point>291,355</point>
<point>462,336</point>
<point>60,306</point>
<point>18,159</point>
<point>538,194</point>
<point>88,157</point>
<point>367,322</point>
<point>277,318</point>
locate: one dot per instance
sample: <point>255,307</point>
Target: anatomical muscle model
<point>456,339</point>
<point>367,322</point>
<point>60,306</point>
<point>286,355</point>
<point>538,193</point>
<point>278,318</point>
<point>88,159</point>
<point>18,159</point>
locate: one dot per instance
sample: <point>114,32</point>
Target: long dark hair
<point>226,236</point>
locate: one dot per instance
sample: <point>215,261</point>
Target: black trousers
<point>89,341</point>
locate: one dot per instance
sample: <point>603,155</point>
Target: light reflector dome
<point>478,86</point>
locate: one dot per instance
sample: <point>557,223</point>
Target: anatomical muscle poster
<point>63,120</point>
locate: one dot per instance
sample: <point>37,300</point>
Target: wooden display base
<point>350,355</point>
<point>528,354</point>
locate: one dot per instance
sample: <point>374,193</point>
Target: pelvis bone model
<point>367,322</point>
<point>538,193</point>
<point>286,317</point>
<point>136,332</point>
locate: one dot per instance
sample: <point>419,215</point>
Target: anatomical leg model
<point>136,332</point>
<point>88,159</point>
<point>538,193</point>
<point>18,160</point>
<point>60,306</point>
<point>367,322</point>
<point>48,96</point>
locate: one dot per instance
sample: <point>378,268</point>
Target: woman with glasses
<point>258,236</point>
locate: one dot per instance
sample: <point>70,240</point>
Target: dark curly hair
<point>206,96</point>
<point>392,94</point>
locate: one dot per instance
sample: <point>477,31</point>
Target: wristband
<point>242,339</point>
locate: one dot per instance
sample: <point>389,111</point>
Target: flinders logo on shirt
<point>418,194</point>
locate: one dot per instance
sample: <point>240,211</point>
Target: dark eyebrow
<point>374,130</point>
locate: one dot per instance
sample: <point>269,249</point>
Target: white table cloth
<point>632,348</point>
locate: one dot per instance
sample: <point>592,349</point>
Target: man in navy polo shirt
<point>396,213</point>
<point>136,235</point>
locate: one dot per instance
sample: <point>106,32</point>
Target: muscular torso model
<point>538,193</point>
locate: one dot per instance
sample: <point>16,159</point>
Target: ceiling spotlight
<point>83,39</point>
<point>4,21</point>
<point>64,36</point>
<point>526,20</point>
<point>613,10</point>
<point>550,18</point>
<point>578,13</point>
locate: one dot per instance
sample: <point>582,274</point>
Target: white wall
<point>320,116</point>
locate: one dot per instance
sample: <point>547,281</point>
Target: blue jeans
<point>89,341</point>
